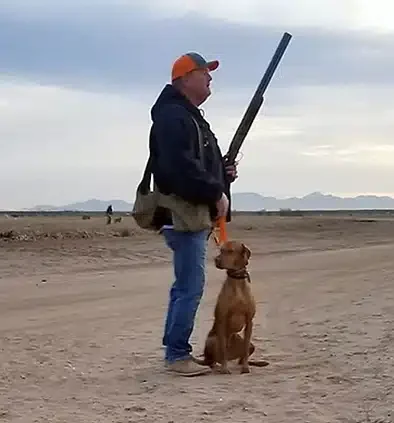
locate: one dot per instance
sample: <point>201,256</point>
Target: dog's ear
<point>246,253</point>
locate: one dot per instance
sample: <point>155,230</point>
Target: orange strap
<point>220,233</point>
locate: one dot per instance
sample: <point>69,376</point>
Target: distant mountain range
<point>92,205</point>
<point>251,201</point>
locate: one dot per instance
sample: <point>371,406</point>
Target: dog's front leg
<point>246,349</point>
<point>222,341</point>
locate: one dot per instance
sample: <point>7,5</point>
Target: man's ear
<point>246,252</point>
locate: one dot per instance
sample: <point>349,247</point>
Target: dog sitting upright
<point>235,309</point>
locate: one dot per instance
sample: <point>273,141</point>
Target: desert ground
<point>82,308</point>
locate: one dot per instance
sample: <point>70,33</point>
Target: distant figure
<point>109,214</point>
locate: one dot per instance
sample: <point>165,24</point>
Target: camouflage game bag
<point>186,217</point>
<point>146,201</point>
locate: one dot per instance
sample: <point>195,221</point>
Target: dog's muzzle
<point>218,263</point>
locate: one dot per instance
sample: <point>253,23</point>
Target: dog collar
<point>239,274</point>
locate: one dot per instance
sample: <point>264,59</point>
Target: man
<point>109,213</point>
<point>200,179</point>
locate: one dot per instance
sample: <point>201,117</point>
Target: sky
<point>78,79</point>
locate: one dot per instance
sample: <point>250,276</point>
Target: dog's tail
<point>258,363</point>
<point>255,363</point>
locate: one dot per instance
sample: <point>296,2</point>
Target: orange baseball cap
<point>189,62</point>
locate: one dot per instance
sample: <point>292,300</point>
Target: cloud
<point>61,145</point>
<point>119,47</point>
<point>75,128</point>
<point>77,85</point>
<point>328,14</point>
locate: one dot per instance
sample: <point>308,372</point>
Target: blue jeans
<point>189,251</point>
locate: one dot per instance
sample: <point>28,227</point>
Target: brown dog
<point>235,309</point>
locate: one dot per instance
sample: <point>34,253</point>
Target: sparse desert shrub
<point>285,212</point>
<point>297,213</point>
<point>125,232</point>
<point>8,234</point>
<point>366,220</point>
<point>290,212</point>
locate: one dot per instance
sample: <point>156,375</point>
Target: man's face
<point>198,83</point>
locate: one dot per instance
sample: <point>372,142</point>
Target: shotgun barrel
<point>256,102</point>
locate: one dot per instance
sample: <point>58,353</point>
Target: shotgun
<point>256,102</point>
<point>248,118</point>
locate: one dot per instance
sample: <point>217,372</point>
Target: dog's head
<point>233,255</point>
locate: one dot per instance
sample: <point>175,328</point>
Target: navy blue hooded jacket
<point>174,148</point>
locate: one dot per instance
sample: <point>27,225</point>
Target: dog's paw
<point>225,371</point>
<point>215,368</point>
<point>245,369</point>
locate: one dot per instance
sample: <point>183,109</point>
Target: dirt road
<point>82,343</point>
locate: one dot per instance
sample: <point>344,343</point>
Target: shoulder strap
<point>200,142</point>
<point>144,185</point>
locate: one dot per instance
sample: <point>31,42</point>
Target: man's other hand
<point>232,172</point>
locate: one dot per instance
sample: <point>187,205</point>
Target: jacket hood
<point>170,95</point>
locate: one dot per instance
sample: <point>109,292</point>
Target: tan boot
<point>187,368</point>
